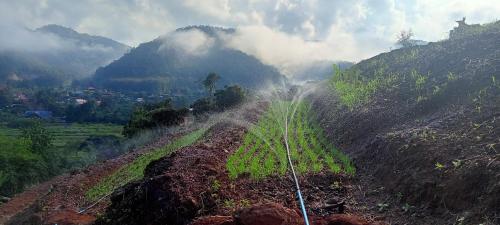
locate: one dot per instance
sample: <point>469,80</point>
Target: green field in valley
<point>70,134</point>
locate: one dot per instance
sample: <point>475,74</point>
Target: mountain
<point>177,62</point>
<point>423,122</point>
<point>85,52</point>
<point>62,55</point>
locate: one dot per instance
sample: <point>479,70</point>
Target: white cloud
<point>212,8</point>
<point>191,42</point>
<point>286,52</point>
<point>342,30</point>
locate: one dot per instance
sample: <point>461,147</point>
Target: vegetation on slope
<point>430,114</point>
<point>75,56</point>
<point>151,116</point>
<point>157,66</point>
<point>135,170</point>
<point>40,151</point>
<point>263,152</point>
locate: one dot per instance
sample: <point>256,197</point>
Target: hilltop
<point>66,55</point>
<point>177,63</point>
<point>422,122</point>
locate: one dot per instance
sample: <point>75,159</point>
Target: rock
<point>268,214</point>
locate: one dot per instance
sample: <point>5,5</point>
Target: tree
<point>5,98</point>
<point>202,105</point>
<point>210,81</point>
<point>154,115</point>
<point>40,138</point>
<point>46,98</point>
<point>405,39</point>
<point>229,97</point>
<point>20,166</point>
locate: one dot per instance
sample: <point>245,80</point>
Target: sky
<point>279,32</point>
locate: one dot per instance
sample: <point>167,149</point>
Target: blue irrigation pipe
<point>297,186</point>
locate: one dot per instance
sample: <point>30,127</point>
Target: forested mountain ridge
<point>66,55</point>
<point>83,38</point>
<point>177,62</point>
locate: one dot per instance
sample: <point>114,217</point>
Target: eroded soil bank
<point>420,163</point>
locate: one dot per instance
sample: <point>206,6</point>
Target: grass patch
<point>354,89</point>
<point>263,152</point>
<point>135,170</point>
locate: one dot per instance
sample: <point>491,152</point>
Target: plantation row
<point>263,152</point>
<point>67,134</point>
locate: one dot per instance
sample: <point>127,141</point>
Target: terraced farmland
<point>66,135</point>
<point>263,152</point>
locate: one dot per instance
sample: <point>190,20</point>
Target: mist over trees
<point>57,56</point>
<point>404,39</point>
<point>150,62</point>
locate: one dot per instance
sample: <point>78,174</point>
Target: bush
<point>202,106</point>
<point>151,116</point>
<point>20,166</point>
<point>27,160</point>
<point>5,97</point>
<point>229,97</point>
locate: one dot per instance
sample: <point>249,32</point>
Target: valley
<point>214,125</point>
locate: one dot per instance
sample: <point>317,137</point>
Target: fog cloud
<point>16,38</point>
<point>291,53</point>
<point>191,42</point>
<point>284,33</point>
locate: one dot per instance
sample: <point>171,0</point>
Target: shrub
<point>202,106</point>
<point>20,166</point>
<point>151,116</point>
<point>229,97</point>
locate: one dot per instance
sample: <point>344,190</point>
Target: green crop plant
<point>244,203</point>
<point>229,204</point>
<point>354,89</point>
<point>420,80</point>
<point>216,185</point>
<point>263,152</point>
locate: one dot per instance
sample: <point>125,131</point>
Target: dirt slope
<point>431,153</point>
